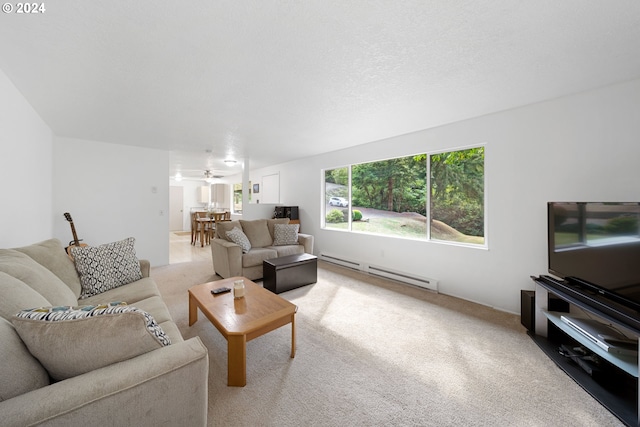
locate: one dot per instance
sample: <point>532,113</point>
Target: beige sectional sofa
<point>267,239</point>
<point>119,365</point>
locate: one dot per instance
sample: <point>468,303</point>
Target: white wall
<point>25,170</point>
<point>583,147</point>
<point>112,192</point>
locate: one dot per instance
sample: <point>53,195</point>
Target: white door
<point>176,211</point>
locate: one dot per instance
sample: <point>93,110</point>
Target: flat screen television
<point>595,248</point>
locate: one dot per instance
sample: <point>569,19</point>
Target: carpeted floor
<point>371,352</point>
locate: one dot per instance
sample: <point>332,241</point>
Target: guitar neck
<point>75,236</point>
<point>75,241</point>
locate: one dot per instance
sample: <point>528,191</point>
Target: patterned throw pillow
<point>70,341</point>
<point>239,238</point>
<point>106,266</point>
<point>285,234</point>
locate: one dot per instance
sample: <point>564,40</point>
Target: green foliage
<point>467,218</point>
<point>622,225</point>
<point>457,189</point>
<point>357,215</point>
<point>395,185</point>
<point>340,176</point>
<point>335,216</point>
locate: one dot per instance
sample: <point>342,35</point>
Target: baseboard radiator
<point>411,279</point>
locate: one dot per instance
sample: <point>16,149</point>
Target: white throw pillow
<point>106,266</point>
<point>285,234</point>
<point>239,238</point>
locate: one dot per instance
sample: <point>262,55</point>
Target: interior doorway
<point>176,208</point>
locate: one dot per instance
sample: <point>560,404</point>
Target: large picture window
<point>399,197</point>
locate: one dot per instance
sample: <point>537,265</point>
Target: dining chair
<point>204,226</point>
<point>194,228</point>
<point>217,217</point>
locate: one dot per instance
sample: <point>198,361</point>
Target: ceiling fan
<point>197,175</point>
<point>209,177</point>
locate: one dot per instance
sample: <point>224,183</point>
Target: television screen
<point>597,245</point>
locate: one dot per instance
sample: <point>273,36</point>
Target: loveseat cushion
<point>17,295</point>
<point>36,276</point>
<point>53,257</point>
<point>257,255</point>
<point>287,250</point>
<point>272,222</point>
<point>70,341</point>
<point>106,266</point>
<point>19,370</point>
<point>257,232</point>
<point>225,226</point>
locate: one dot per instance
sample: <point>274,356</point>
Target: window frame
<point>428,188</point>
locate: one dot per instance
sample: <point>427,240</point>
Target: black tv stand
<point>620,397</point>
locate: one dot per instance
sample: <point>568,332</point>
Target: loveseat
<point>239,247</point>
<point>118,360</point>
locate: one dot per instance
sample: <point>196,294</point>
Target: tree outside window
<point>457,196</point>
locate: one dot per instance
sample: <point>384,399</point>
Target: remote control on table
<point>220,290</point>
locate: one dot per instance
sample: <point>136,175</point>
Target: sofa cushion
<point>285,234</point>
<point>257,232</point>
<point>17,295</point>
<point>272,222</point>
<point>52,256</point>
<point>19,370</point>
<point>37,277</point>
<point>257,255</point>
<point>225,226</point>
<point>70,341</point>
<point>239,238</point>
<point>130,293</point>
<point>106,266</point>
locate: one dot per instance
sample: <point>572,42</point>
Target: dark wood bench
<point>289,272</point>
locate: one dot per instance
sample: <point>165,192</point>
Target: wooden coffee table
<point>241,320</point>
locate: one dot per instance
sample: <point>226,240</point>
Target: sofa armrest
<point>306,240</point>
<point>167,386</point>
<point>227,258</point>
<point>145,267</point>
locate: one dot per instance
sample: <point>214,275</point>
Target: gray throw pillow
<point>239,238</point>
<point>285,234</point>
<point>106,266</point>
<point>71,341</point>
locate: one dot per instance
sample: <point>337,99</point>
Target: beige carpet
<point>372,352</point>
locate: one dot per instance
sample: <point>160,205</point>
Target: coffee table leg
<point>193,310</point>
<point>293,335</point>
<point>237,360</point>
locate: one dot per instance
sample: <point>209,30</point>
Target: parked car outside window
<point>338,201</point>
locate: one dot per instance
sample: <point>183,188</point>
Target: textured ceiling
<point>279,80</point>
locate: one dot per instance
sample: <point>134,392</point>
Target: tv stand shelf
<point>628,364</point>
<point>620,397</point>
